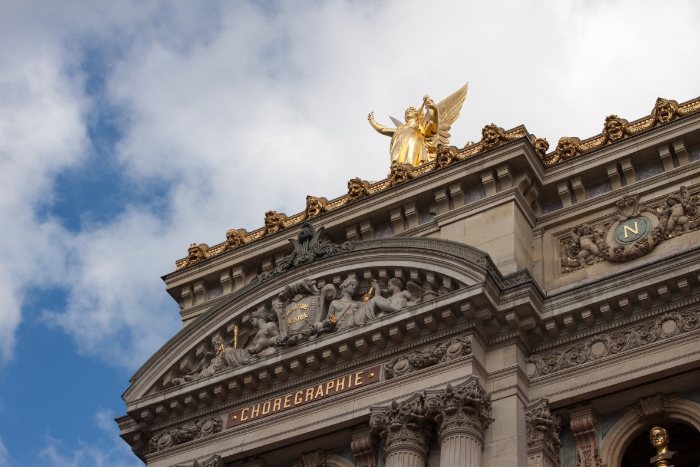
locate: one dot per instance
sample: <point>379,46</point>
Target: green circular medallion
<point>632,230</point>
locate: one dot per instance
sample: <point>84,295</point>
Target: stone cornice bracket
<point>364,447</point>
<point>405,429</point>
<point>543,428</point>
<point>653,406</point>
<point>584,422</point>
<point>465,408</point>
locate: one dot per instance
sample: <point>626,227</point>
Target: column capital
<point>543,428</point>
<point>463,408</point>
<point>404,426</point>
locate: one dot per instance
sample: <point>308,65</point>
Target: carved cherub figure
<point>673,214</point>
<point>587,238</point>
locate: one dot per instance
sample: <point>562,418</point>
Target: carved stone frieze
<point>194,430</point>
<point>634,232</point>
<point>462,408</point>
<point>403,426</point>
<point>543,428</point>
<point>653,406</point>
<point>213,461</point>
<point>606,344</point>
<point>423,358</point>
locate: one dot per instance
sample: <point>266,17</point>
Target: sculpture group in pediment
<point>634,232</point>
<point>302,312</point>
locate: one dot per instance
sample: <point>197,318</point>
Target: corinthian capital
<point>465,407</point>
<point>542,430</point>
<point>402,425</point>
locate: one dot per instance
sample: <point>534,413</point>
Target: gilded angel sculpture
<point>415,141</point>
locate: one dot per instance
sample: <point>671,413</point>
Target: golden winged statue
<point>415,141</point>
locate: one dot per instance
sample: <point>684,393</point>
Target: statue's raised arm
<point>386,131</point>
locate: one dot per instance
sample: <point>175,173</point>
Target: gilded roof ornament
<point>415,140</point>
<point>615,128</point>
<point>234,238</point>
<point>400,173</point>
<point>664,111</point>
<point>196,253</point>
<point>314,207</point>
<point>357,189</point>
<point>273,222</point>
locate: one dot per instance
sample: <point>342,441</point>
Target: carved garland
<point>614,129</point>
<point>606,344</point>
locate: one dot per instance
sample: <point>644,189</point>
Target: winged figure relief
<point>415,141</point>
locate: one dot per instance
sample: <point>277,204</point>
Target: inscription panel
<point>329,388</point>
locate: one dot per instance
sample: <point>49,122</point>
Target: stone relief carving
<point>347,312</point>
<point>213,461</point>
<point>465,406</point>
<point>195,430</point>
<point>543,428</point>
<point>423,358</point>
<point>634,232</point>
<point>308,247</point>
<point>583,423</point>
<point>605,344</point>
<point>653,406</point>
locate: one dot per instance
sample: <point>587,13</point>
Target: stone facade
<point>499,306</point>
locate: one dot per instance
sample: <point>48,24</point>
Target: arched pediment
<point>313,301</point>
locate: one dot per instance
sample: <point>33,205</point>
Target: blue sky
<point>130,129</point>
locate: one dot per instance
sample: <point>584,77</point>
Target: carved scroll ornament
<point>423,358</point>
<point>605,344</point>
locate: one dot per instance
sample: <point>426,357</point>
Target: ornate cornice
<point>615,129</point>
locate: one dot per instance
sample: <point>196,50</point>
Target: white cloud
<point>240,109</point>
<point>4,456</point>
<point>107,450</point>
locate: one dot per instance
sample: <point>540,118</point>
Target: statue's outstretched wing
<point>448,111</point>
<point>396,121</point>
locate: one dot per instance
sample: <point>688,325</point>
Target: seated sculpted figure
<point>224,356</point>
<point>349,312</point>
<point>266,333</point>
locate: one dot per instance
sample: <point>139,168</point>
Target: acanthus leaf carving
<point>543,429</point>
<point>403,425</point>
<point>463,407</point>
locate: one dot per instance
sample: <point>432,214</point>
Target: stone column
<point>462,414</point>
<point>405,430</point>
<point>542,435</point>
